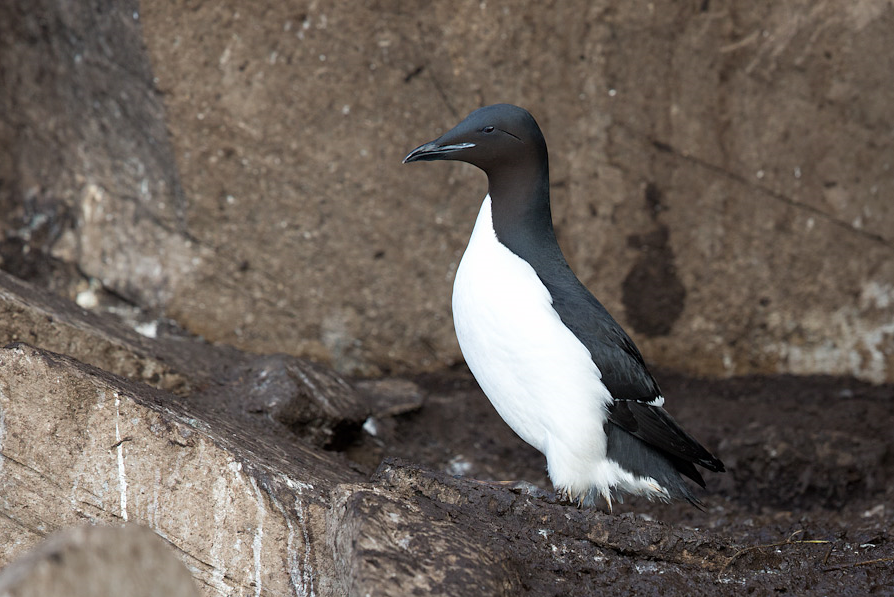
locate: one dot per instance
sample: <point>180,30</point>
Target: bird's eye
<point>488,129</point>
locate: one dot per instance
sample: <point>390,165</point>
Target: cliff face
<point>721,172</point>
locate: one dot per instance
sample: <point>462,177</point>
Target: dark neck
<point>521,212</point>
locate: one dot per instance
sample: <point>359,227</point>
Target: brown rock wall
<point>240,172</point>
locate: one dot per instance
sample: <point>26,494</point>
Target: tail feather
<point>643,460</point>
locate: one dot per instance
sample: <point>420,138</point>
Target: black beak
<point>435,151</point>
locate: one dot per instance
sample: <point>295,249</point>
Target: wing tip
<point>650,422</point>
<point>712,463</point>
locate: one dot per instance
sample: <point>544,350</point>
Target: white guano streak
<point>2,435</point>
<point>258,542</point>
<point>300,574</point>
<point>122,479</point>
<point>307,571</point>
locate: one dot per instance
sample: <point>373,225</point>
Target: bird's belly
<point>539,377</point>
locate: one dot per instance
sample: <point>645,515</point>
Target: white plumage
<point>540,378</point>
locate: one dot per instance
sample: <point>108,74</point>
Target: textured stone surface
<point>722,173</point>
<point>237,505</point>
<point>99,561</point>
<point>88,171</point>
<point>30,314</point>
<point>314,401</point>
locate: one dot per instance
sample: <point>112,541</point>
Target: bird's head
<point>493,137</point>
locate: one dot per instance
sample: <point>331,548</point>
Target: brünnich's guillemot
<point>555,364</point>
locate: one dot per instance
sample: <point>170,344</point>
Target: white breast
<point>535,372</point>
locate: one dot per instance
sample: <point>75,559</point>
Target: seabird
<point>554,363</point>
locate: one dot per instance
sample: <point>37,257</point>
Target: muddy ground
<point>810,475</point>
